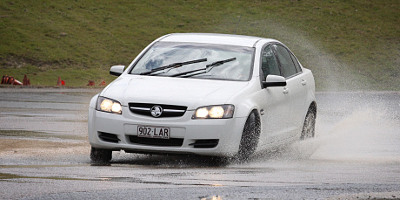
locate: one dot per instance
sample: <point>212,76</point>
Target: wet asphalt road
<point>44,155</point>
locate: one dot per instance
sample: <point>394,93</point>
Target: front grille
<point>205,143</point>
<point>108,137</point>
<point>172,142</point>
<point>168,110</point>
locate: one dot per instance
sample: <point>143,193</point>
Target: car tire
<point>100,155</point>
<point>309,125</point>
<point>250,137</point>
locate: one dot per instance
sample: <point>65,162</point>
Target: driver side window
<point>288,67</point>
<point>269,65</point>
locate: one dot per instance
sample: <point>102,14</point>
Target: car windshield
<point>192,60</point>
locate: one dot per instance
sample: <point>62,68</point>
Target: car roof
<point>213,38</point>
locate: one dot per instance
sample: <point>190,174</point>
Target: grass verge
<point>347,44</point>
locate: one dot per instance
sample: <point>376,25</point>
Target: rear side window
<point>269,65</point>
<point>288,67</point>
<point>296,63</point>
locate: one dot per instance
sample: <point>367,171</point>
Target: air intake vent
<point>205,143</point>
<point>108,137</point>
<point>166,110</point>
<point>172,142</point>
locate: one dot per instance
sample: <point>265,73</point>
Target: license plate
<point>153,132</point>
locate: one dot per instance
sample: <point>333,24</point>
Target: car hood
<point>172,91</point>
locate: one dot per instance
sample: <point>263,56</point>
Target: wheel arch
<point>257,118</point>
<point>257,115</point>
<point>313,107</point>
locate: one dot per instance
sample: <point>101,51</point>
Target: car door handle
<point>285,90</point>
<point>303,82</point>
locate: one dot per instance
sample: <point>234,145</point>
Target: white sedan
<point>205,94</point>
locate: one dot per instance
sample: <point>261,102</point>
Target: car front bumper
<point>226,131</point>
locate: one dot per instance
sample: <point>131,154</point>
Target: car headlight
<point>108,105</point>
<point>214,112</point>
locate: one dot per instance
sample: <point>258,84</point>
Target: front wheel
<point>100,155</point>
<point>250,136</point>
<point>309,125</point>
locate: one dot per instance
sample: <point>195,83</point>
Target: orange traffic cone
<point>11,80</point>
<point>90,83</point>
<point>103,83</point>
<point>16,82</point>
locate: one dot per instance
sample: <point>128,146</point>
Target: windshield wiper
<point>204,70</point>
<point>220,62</point>
<point>173,65</point>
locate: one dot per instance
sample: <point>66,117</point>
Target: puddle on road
<point>10,176</point>
<point>23,134</point>
<point>39,166</point>
<point>25,146</point>
<point>7,176</point>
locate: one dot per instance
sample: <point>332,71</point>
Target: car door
<point>274,107</point>
<point>295,89</point>
<point>300,99</point>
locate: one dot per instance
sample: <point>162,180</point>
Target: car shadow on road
<point>173,161</point>
<point>196,161</point>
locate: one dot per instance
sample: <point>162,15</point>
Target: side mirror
<point>117,70</point>
<point>274,81</point>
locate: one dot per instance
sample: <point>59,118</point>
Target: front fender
<point>247,100</point>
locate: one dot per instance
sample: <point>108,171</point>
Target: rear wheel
<point>100,155</point>
<point>250,136</point>
<point>309,125</point>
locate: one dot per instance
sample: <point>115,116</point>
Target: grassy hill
<point>348,44</point>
